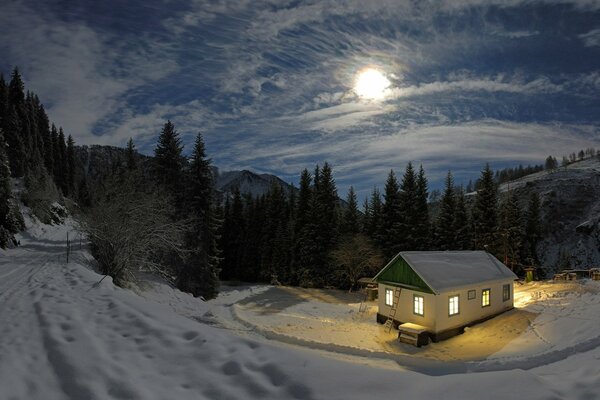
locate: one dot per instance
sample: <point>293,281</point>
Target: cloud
<point>591,38</point>
<point>81,75</point>
<point>539,85</point>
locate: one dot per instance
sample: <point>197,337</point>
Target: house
<point>442,292</point>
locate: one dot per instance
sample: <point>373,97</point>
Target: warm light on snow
<point>371,84</point>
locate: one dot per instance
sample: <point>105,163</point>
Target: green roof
<point>399,273</point>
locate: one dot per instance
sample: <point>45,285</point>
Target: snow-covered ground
<point>63,336</point>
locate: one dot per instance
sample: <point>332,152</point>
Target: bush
<point>130,229</point>
<point>41,196</point>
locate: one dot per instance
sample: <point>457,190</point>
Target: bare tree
<point>132,230</point>
<point>357,257</point>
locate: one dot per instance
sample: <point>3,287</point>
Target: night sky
<point>272,84</point>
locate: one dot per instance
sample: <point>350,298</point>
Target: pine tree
<point>16,146</point>
<point>5,192</point>
<point>233,239</point>
<point>70,153</point>
<point>485,214</point>
<point>325,211</point>
<point>445,233</point>
<point>276,253</point>
<point>57,156</point>
<point>391,226</point>
<point>131,156</point>
<point>16,90</point>
<point>374,226</point>
<point>510,231</point>
<point>350,224</point>
<point>533,229</point>
<point>44,127</point>
<point>169,161</point>
<point>63,174</point>
<point>422,230</point>
<point>3,102</point>
<point>304,197</point>
<point>409,209</point>
<point>462,224</point>
<point>199,275</point>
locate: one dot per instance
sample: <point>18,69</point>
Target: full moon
<point>371,84</point>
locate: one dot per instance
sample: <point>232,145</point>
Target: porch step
<point>414,334</point>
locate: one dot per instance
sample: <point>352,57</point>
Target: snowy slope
<point>62,336</point>
<point>570,208</point>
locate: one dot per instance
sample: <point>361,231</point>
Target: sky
<point>272,85</point>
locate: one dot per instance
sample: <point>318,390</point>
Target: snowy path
<point>62,337</point>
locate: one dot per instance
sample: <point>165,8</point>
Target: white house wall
<point>404,311</point>
<point>471,310</point>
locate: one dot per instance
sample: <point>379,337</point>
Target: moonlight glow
<point>371,84</point>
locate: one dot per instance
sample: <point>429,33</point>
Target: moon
<point>371,84</point>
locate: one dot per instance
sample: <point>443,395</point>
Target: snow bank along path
<point>63,337</point>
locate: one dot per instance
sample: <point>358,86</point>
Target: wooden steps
<point>414,334</point>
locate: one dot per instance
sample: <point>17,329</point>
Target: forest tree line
<point>34,149</point>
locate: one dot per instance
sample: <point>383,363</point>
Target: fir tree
<point>304,197</point>
<point>70,152</point>
<point>422,224</point>
<point>169,161</point>
<point>325,211</point>
<point>131,156</point>
<point>350,224</point>
<point>16,90</point>
<point>5,192</point>
<point>199,275</point>
<point>462,224</point>
<point>3,102</point>
<point>533,229</point>
<point>16,146</point>
<point>510,231</point>
<point>57,156</point>
<point>485,215</point>
<point>63,175</point>
<point>373,227</point>
<point>409,209</point>
<point>391,226</point>
<point>445,233</point>
<point>44,127</point>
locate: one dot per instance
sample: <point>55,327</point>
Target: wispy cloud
<point>591,38</point>
<point>83,75</point>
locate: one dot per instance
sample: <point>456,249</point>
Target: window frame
<point>506,292</point>
<point>483,297</point>
<point>472,292</point>
<point>457,296</point>
<point>391,291</point>
<point>422,304</point>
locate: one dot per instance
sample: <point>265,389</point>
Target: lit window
<point>389,297</point>
<point>418,304</point>
<point>471,294</point>
<point>453,305</point>
<point>505,292</point>
<point>485,297</point>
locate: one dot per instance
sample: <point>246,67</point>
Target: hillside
<point>570,211</point>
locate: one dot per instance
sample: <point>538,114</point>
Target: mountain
<point>570,213</point>
<point>248,182</point>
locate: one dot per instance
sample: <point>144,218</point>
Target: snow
<point>64,336</point>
